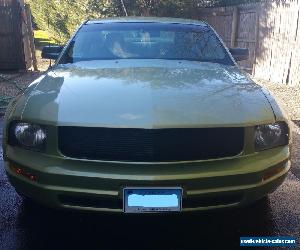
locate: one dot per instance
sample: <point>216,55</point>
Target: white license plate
<point>150,200</point>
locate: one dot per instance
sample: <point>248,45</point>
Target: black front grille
<point>150,145</point>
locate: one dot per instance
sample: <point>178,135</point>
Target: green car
<point>142,115</point>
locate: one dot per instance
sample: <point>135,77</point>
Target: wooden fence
<point>16,37</point>
<point>271,31</point>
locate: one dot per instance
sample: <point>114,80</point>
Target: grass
<point>42,39</point>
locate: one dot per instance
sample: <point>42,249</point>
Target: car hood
<point>146,94</point>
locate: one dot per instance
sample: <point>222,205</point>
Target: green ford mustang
<point>145,115</point>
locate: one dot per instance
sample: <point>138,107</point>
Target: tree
<point>61,17</point>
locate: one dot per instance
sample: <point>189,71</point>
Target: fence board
<point>11,53</point>
<point>270,30</point>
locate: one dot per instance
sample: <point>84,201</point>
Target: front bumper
<point>93,185</point>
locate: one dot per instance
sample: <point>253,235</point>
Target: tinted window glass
<point>146,41</point>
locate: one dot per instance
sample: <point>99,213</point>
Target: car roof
<point>147,20</point>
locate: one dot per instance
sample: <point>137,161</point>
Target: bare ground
<point>14,82</point>
<point>22,79</point>
<point>289,96</point>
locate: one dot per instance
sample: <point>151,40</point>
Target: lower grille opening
<point>194,202</point>
<point>90,202</point>
<point>211,201</point>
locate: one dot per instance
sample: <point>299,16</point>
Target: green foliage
<point>174,8</point>
<point>61,17</point>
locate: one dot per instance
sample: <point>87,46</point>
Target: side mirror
<point>51,52</point>
<point>239,54</point>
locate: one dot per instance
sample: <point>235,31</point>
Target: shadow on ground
<point>47,229</point>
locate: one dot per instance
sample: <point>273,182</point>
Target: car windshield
<point>107,41</point>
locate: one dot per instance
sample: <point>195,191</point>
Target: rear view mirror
<point>51,52</point>
<point>239,54</point>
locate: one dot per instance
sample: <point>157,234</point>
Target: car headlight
<point>27,135</point>
<point>271,135</point>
